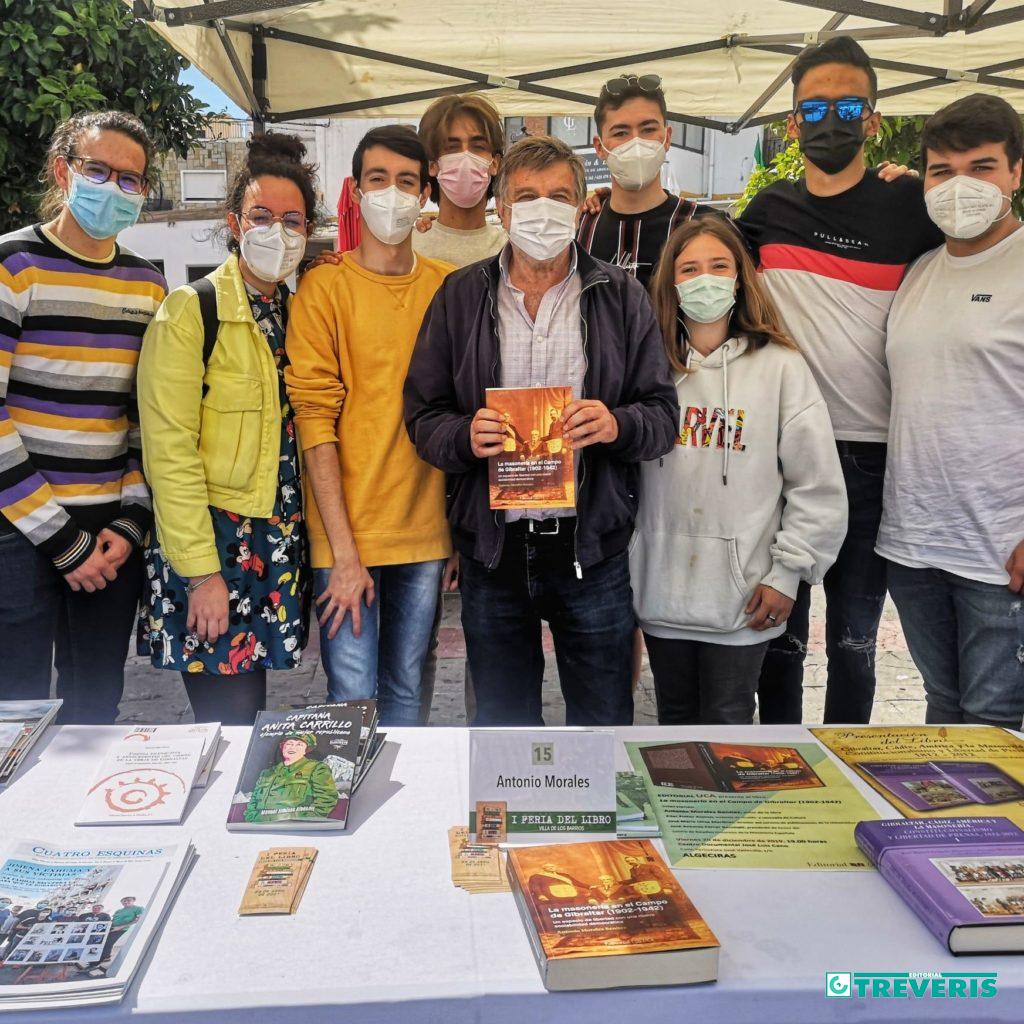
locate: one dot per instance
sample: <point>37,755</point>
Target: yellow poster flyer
<point>935,771</point>
<point>743,805</point>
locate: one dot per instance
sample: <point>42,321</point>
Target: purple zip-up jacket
<point>457,357</point>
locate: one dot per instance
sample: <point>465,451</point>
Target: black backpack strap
<point>207,295</point>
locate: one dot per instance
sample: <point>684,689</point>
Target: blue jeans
<point>854,598</point>
<point>44,623</point>
<point>386,661</point>
<point>967,640</point>
<point>591,621</point>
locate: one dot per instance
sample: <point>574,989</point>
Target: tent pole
<point>259,70</point>
<point>780,80</point>
<point>210,10</point>
<point>879,12</point>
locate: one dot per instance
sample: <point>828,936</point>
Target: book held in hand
<point>300,769</point>
<point>536,468</point>
<point>964,877</point>
<point>143,783</point>
<point>609,915</point>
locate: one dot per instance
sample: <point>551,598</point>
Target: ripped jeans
<point>967,640</point>
<point>854,598</point>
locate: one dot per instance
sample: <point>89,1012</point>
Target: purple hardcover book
<point>922,786</point>
<point>964,877</point>
<point>984,783</point>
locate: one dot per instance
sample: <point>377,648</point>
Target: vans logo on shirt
<point>705,428</point>
<point>981,297</point>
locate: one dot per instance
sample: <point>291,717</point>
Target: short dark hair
<point>837,50</point>
<point>973,121</point>
<point>272,155</point>
<point>607,101</point>
<point>399,138</point>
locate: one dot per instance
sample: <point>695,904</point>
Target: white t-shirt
<point>458,246</point>
<point>954,481</point>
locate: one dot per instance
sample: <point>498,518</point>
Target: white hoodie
<point>716,519</point>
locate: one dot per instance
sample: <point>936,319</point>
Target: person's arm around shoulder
<point>170,389</point>
<point>442,435</point>
<point>317,394</point>
<point>644,425</point>
<point>814,512</point>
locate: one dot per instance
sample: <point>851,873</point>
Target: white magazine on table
<point>208,732</point>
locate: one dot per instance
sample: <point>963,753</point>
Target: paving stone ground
<point>153,695</point>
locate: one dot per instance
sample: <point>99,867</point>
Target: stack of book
<point>476,867</point>
<point>21,723</point>
<point>609,914</point>
<point>301,767</point>
<point>146,779</point>
<point>208,732</point>
<point>278,880</point>
<point>90,916</point>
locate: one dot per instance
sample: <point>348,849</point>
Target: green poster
<point>742,805</point>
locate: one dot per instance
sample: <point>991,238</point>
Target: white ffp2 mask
<point>635,164</point>
<point>964,207</point>
<point>542,228</point>
<point>273,253</point>
<point>389,213</point>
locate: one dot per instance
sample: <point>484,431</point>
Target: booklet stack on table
<point>21,723</point>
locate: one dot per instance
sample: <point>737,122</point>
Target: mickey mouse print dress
<point>264,562</point>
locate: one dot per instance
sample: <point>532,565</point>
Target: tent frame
<point>894,23</point>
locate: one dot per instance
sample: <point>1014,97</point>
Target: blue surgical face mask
<point>102,211</point>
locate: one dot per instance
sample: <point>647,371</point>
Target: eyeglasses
<point>130,182</point>
<point>261,217</point>
<point>849,108</point>
<point>623,83</point>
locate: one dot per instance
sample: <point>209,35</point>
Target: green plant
<point>59,57</point>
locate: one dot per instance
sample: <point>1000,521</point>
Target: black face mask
<point>831,143</point>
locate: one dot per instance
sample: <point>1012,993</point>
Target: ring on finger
<point>772,619</point>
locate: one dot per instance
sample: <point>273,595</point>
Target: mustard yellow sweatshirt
<point>350,338</point>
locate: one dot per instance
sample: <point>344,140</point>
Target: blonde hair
<point>536,153</point>
<point>754,314</point>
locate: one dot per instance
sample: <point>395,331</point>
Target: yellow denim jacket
<point>221,449</point>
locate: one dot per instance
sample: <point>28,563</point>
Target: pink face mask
<point>464,178</point>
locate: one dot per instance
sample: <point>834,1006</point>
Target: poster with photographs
<point>536,468</point>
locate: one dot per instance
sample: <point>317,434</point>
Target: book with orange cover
<point>728,767</point>
<point>535,469</point>
<point>608,915</point>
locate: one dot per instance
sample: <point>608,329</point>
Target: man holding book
<point>544,314</point>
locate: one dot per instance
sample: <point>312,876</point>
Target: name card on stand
<point>547,783</point>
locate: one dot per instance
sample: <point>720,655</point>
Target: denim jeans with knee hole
<point>386,660</point>
<point>854,598</point>
<point>967,640</point>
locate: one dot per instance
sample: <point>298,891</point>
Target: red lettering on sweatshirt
<point>701,426</point>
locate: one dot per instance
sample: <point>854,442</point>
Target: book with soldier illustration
<point>536,468</point>
<point>609,914</point>
<point>298,770</point>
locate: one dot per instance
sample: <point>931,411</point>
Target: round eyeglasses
<point>261,217</point>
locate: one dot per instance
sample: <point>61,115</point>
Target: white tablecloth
<point>382,935</point>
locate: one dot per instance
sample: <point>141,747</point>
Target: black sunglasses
<point>623,83</point>
<point>849,108</point>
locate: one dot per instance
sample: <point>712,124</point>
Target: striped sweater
<point>70,449</point>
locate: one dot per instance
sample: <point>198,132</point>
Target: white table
<point>382,935</point>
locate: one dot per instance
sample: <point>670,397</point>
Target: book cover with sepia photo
<point>536,468</point>
<point>609,914</point>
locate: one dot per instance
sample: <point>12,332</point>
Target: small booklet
<point>476,867</point>
<point>536,468</point>
<point>143,783</point>
<point>278,880</point>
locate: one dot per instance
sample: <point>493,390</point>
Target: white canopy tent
<point>724,63</point>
